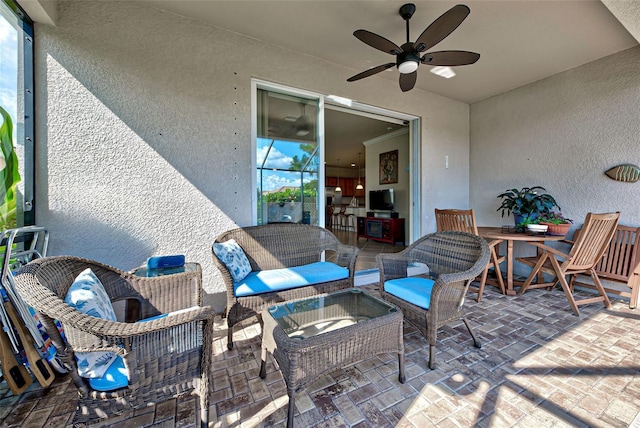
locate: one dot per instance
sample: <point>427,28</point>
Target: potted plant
<point>526,203</point>
<point>558,224</point>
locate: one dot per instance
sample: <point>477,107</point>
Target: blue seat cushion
<point>283,279</point>
<point>115,377</point>
<point>415,290</point>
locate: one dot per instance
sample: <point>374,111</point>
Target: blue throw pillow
<point>234,258</point>
<point>87,295</point>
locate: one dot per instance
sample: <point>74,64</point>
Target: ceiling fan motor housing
<point>407,61</point>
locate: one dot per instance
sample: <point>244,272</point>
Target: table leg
<point>263,364</point>
<point>290,410</point>
<point>401,377</point>
<point>510,291</point>
<point>540,278</point>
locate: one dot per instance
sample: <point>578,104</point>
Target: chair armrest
<point>114,329</point>
<point>227,279</point>
<point>550,249</point>
<point>494,242</point>
<point>90,334</point>
<point>346,257</point>
<point>392,266</point>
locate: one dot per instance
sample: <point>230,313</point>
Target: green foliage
<point>310,191</point>
<point>9,174</point>
<point>553,218</point>
<point>526,201</point>
<point>297,164</point>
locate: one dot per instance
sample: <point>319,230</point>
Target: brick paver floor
<point>539,366</point>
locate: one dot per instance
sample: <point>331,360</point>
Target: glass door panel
<point>287,158</point>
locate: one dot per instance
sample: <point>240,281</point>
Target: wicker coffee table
<point>313,336</point>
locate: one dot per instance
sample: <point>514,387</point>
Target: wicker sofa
<point>281,246</point>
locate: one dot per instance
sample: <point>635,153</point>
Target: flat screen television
<point>381,200</point>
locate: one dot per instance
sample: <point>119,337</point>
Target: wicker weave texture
<point>276,246</point>
<point>454,259</point>
<point>302,361</point>
<point>166,358</point>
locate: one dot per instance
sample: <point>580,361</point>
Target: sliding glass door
<point>287,158</point>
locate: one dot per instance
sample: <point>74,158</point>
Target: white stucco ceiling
<point>519,41</point>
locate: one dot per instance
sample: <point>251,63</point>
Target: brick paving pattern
<point>540,366</point>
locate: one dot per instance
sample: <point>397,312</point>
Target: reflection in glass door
<point>287,159</point>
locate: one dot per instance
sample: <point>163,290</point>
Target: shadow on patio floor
<point>539,366</point>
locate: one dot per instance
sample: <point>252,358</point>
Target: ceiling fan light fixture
<point>408,66</point>
<point>408,61</point>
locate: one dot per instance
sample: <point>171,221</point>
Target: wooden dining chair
<point>586,252</point>
<point>620,263</point>
<point>465,221</point>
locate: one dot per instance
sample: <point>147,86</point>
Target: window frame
<point>28,120</point>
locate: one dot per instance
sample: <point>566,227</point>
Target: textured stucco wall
<point>562,133</point>
<point>143,127</point>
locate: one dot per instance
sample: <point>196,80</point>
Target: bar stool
<point>347,220</point>
<point>334,217</point>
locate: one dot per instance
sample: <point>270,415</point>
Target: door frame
<point>353,107</point>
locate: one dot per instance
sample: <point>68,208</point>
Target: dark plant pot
<point>519,218</point>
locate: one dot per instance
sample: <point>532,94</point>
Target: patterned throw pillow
<point>234,258</point>
<point>87,295</point>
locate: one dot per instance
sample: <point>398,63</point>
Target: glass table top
<point>320,314</point>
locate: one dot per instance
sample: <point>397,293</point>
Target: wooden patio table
<point>512,236</point>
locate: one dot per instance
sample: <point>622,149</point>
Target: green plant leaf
<point>9,173</point>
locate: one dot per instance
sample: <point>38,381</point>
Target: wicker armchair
<point>275,246</point>
<point>465,221</point>
<point>454,259</point>
<point>156,373</point>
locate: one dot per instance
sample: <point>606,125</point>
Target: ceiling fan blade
<point>378,42</point>
<point>371,72</point>
<point>408,81</point>
<point>450,58</point>
<point>441,27</point>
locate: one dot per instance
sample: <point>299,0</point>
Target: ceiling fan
<point>293,127</point>
<point>408,55</point>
